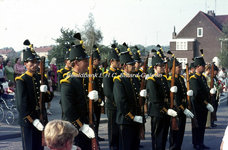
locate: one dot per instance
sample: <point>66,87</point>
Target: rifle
<point>103,107</point>
<point>90,88</point>
<point>142,102</point>
<point>41,101</point>
<point>174,125</point>
<point>194,121</point>
<point>213,118</point>
<point>166,69</point>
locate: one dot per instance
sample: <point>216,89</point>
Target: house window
<point>183,61</point>
<point>199,32</point>
<point>181,45</point>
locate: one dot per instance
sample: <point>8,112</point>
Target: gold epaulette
<point>150,67</point>
<point>193,76</point>
<point>204,75</point>
<point>170,78</point>
<point>60,71</point>
<point>182,76</point>
<point>138,77</point>
<point>65,80</point>
<point>141,70</point>
<point>106,72</point>
<point>165,76</point>
<point>116,77</point>
<point>45,76</point>
<point>65,74</point>
<point>100,69</point>
<point>151,78</point>
<point>20,78</point>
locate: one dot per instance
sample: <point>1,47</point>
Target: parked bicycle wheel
<point>10,117</point>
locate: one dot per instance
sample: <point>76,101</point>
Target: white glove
<point>210,107</point>
<point>87,131</point>
<point>93,95</point>
<point>190,92</point>
<point>138,119</point>
<point>212,91</point>
<point>172,113</point>
<point>102,85</point>
<point>102,103</point>
<point>43,88</point>
<point>173,89</point>
<point>188,113</point>
<point>38,124</point>
<point>143,93</point>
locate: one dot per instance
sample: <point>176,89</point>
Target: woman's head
<point>8,62</point>
<point>59,134</point>
<point>18,60</point>
<point>53,61</point>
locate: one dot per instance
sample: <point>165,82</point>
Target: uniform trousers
<point>31,138</point>
<point>176,136</point>
<point>83,141</point>
<point>159,132</point>
<point>128,137</point>
<point>97,112</point>
<point>198,133</point>
<point>113,134</point>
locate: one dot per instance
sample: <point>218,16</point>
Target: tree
<point>90,34</point>
<point>60,49</point>
<point>223,54</point>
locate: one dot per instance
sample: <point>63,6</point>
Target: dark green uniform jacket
<point>74,99</point>
<point>60,73</point>
<point>28,96</point>
<point>180,96</point>
<point>158,90</point>
<point>126,93</point>
<point>201,94</point>
<point>108,87</point>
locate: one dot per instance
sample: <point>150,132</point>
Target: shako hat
<point>29,53</point>
<point>199,61</point>
<point>157,58</point>
<point>96,52</point>
<point>126,57</point>
<point>137,55</point>
<point>78,52</point>
<point>114,53</point>
<point>170,62</point>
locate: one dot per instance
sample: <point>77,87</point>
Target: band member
<point>126,93</point>
<point>113,133</point>
<point>159,110</point>
<point>62,72</point>
<point>138,62</point>
<point>192,69</point>
<point>98,87</point>
<point>180,98</point>
<point>200,99</point>
<point>74,95</point>
<point>27,92</point>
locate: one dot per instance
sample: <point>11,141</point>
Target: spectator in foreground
<point>59,135</point>
<point>224,144</point>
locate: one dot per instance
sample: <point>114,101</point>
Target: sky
<point>145,22</point>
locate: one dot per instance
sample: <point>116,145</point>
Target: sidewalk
<point>13,131</point>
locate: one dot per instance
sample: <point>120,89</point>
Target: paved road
<point>212,139</point>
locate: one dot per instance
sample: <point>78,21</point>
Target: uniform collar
<point>66,68</point>
<point>75,73</point>
<point>176,75</point>
<point>126,74</point>
<point>198,74</point>
<point>29,73</point>
<point>112,69</point>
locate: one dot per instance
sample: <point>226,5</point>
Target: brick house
<point>202,32</point>
<point>8,53</point>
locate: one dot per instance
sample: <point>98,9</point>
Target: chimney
<point>211,13</point>
<point>174,33</point>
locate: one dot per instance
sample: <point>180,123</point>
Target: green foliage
<point>223,54</point>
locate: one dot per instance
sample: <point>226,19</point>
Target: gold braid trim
<point>130,115</point>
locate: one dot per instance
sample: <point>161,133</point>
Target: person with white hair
<point>224,144</point>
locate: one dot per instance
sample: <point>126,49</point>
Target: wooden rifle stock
<point>142,102</point>
<point>103,107</point>
<point>194,121</point>
<point>90,88</point>
<point>213,118</point>
<point>174,125</point>
<point>41,100</point>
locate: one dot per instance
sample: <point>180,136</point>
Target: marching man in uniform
<point>74,99</point>
<point>126,93</point>
<point>27,92</point>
